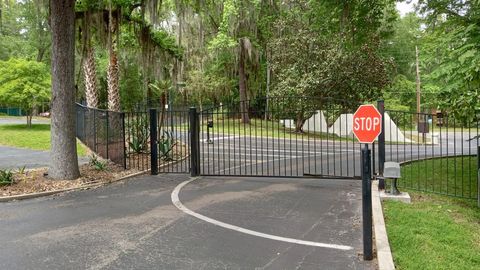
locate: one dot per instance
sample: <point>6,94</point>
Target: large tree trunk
<point>64,161</point>
<point>90,73</point>
<point>242,84</point>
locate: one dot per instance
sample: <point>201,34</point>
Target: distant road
<point>22,120</point>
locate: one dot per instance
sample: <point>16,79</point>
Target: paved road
<point>22,120</point>
<point>134,225</point>
<point>297,156</point>
<point>14,158</point>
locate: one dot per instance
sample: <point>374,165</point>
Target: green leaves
<point>98,164</point>
<point>166,42</point>
<point>24,83</point>
<point>166,145</point>
<point>308,63</point>
<point>6,177</point>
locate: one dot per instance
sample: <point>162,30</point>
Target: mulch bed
<point>34,181</point>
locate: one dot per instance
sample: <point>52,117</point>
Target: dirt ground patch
<point>37,180</point>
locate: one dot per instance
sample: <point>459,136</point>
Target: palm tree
<point>90,75</point>
<point>113,72</point>
<point>88,62</point>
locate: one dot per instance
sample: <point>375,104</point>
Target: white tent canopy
<point>344,124</point>
<point>392,132</point>
<point>316,123</point>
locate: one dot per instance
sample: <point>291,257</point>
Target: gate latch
<point>392,171</point>
<point>209,126</point>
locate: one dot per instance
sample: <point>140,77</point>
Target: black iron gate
<point>158,140</point>
<point>283,140</point>
<point>288,137</point>
<point>438,153</point>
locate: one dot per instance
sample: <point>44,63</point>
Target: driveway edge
<point>48,193</point>
<point>384,253</point>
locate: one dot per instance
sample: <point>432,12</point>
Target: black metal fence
<point>293,137</point>
<point>103,132</point>
<point>289,137</point>
<point>438,152</point>
<point>170,144</point>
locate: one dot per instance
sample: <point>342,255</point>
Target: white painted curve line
<point>176,201</point>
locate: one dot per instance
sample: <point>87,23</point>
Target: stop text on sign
<point>367,123</point>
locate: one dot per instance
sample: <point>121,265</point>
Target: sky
<point>405,7</point>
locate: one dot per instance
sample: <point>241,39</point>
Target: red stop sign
<point>367,123</point>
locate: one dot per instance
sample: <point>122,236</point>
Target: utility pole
<point>418,83</point>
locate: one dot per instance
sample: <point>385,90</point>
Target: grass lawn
<point>262,128</point>
<point>434,232</point>
<point>455,176</point>
<point>37,137</point>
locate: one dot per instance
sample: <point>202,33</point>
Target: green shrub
<point>21,170</point>
<point>99,165</point>
<point>166,145</point>
<point>6,177</point>
<point>138,130</point>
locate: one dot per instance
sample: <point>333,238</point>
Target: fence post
<point>478,175</point>
<point>107,125</point>
<point>194,143</point>
<point>124,141</point>
<point>381,144</point>
<point>153,142</point>
<point>367,204</point>
<point>95,131</point>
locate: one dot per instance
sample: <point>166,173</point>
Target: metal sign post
<point>367,203</point>
<point>367,125</point>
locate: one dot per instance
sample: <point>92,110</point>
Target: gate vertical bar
<point>107,125</point>
<point>478,175</point>
<point>381,143</point>
<point>194,142</point>
<point>153,142</point>
<point>367,203</point>
<point>95,132</point>
<point>124,138</point>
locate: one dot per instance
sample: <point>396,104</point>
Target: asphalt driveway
<point>216,223</point>
<point>14,158</point>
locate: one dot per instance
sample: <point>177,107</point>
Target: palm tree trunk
<point>113,72</point>
<point>90,74</point>
<point>113,83</point>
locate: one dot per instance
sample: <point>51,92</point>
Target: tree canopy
<point>24,84</point>
<point>230,51</point>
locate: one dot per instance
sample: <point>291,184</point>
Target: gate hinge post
<point>153,142</point>
<point>194,133</point>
